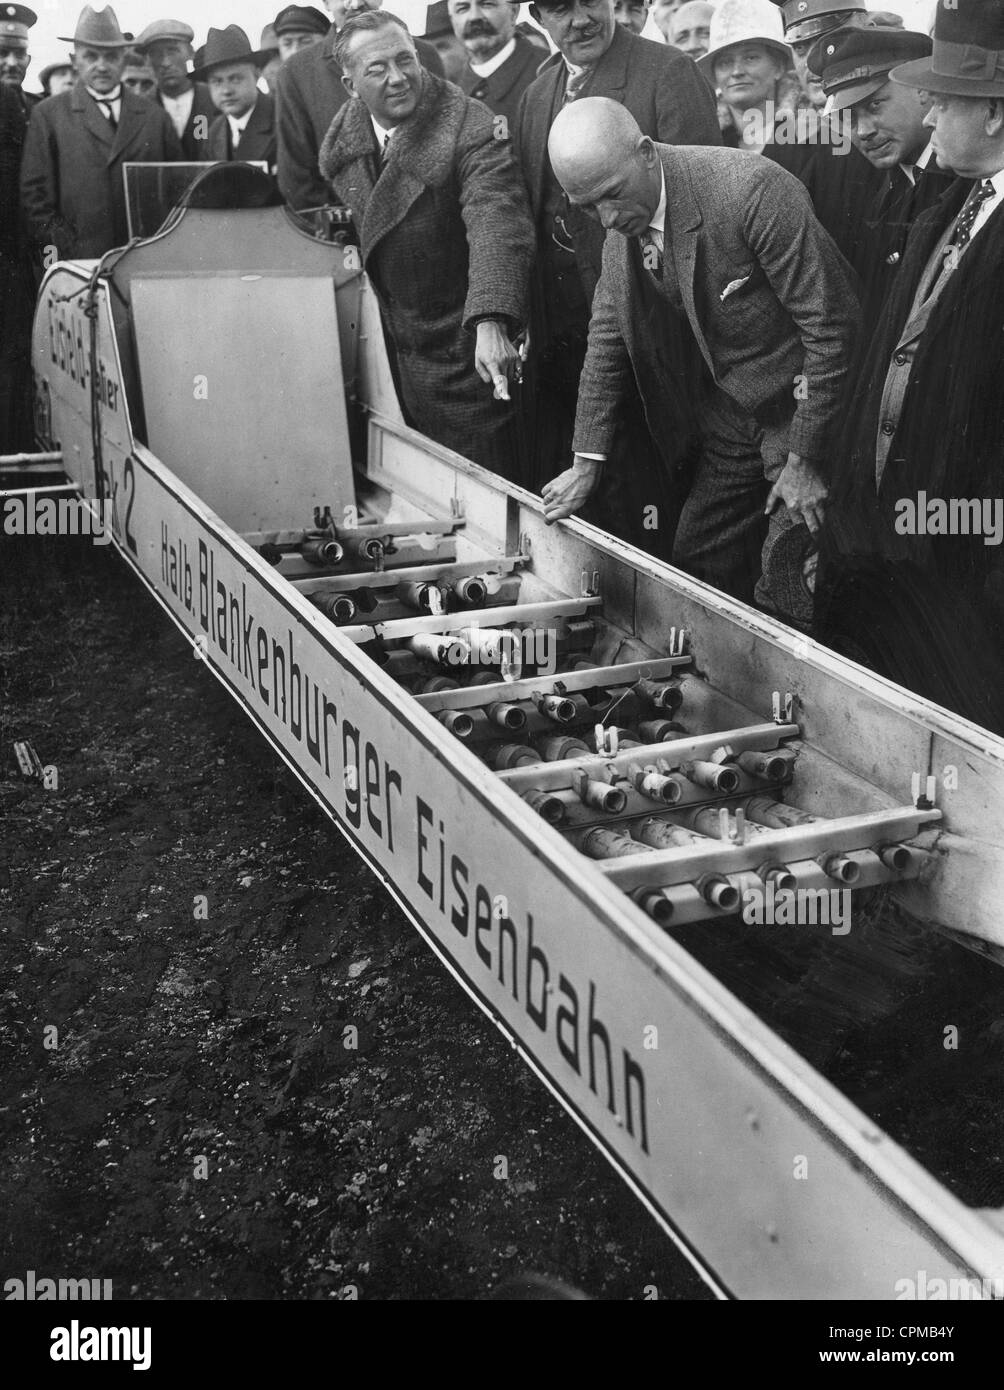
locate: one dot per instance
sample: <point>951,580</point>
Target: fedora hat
<point>97,29</point>
<point>968,56</point>
<point>229,45</point>
<point>744,21</point>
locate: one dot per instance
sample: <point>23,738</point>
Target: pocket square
<point>732,286</point>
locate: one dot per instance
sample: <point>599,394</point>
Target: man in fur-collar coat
<point>445,237</point>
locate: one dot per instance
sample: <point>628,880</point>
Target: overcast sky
<point>56,17</point>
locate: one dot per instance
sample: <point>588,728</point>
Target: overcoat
<point>446,238</point>
<point>72,189</point>
<point>257,139</point>
<point>949,440</point>
<point>17,286</point>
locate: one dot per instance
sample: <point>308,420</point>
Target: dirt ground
<point>178,1111</point>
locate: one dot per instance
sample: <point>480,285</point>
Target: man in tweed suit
<point>725,243</point>
<point>445,236</point>
<point>671,102</point>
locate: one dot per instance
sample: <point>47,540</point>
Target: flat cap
<point>166,29</point>
<point>301,19</point>
<point>853,63</point>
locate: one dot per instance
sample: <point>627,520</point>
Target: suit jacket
<point>257,140</point>
<point>659,85</point>
<point>308,93</point>
<point>502,89</point>
<point>949,440</point>
<point>193,146</point>
<point>764,290</point>
<point>72,188</point>
<point>446,238</point>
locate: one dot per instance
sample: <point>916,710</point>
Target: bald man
<point>723,247</point>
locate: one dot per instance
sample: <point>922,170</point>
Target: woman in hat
<point>748,63</point>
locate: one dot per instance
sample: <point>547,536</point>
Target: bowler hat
<point>168,29</point>
<point>853,64</point>
<point>301,19</point>
<point>97,29</point>
<point>229,45</point>
<point>968,55</point>
<point>807,19</point>
<point>15,21</point>
<point>744,21</point>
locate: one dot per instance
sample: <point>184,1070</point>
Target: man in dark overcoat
<point>167,43</point>
<point>444,232</point>
<point>887,126</point>
<point>72,188</point>
<point>920,507</point>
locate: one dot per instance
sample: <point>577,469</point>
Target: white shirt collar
<point>380,131</point>
<point>111,98</point>
<point>921,162</point>
<point>182,103</point>
<point>658,223</point>
<point>240,122</point>
<point>486,68</point>
<point>179,109</point>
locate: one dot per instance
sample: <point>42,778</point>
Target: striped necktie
<point>109,111</point>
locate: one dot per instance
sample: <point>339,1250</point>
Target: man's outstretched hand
<point>496,361</point>
<point>802,491</point>
<point>571,490</point>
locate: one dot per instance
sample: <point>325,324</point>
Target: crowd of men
<point>737,296</point>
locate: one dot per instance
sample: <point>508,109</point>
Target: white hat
<point>744,21</point>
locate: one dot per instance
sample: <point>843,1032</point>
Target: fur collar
<point>423,146</point>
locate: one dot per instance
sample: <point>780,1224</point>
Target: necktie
<point>575,83</point>
<point>109,111</point>
<point>235,136</point>
<point>964,226</point>
<point>385,149</point>
<point>652,242</point>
